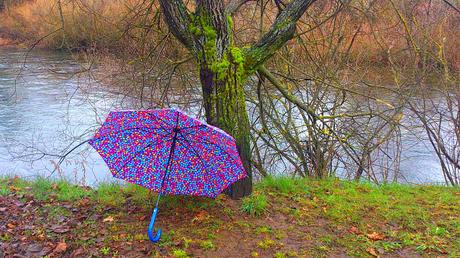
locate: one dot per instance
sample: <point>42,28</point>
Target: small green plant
<point>5,237</point>
<point>280,255</point>
<point>266,243</point>
<point>263,229</point>
<point>439,231</point>
<point>4,191</point>
<point>207,245</point>
<point>105,250</point>
<point>390,246</point>
<point>421,248</point>
<point>178,253</point>
<point>255,204</point>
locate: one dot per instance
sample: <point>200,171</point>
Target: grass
<point>109,194</point>
<point>283,185</point>
<point>255,204</point>
<point>324,216</point>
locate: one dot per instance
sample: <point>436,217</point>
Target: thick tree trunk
<point>226,108</point>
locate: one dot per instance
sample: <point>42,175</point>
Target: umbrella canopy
<point>168,152</point>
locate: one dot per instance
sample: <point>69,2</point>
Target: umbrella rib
<point>159,119</point>
<point>192,127</point>
<point>137,153</point>
<point>205,167</point>
<point>218,146</point>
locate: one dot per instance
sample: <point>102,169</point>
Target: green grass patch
<point>42,188</point>
<point>68,192</point>
<point>285,185</point>
<point>109,194</point>
<point>254,205</point>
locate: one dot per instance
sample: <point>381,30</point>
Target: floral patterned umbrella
<point>168,152</point>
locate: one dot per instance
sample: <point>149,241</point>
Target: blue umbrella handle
<point>152,238</point>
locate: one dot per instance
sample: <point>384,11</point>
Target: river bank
<point>6,42</point>
<point>284,218</point>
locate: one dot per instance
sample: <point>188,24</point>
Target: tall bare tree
<point>207,33</point>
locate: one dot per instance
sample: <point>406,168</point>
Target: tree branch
<point>280,32</point>
<point>177,17</point>
<point>233,6</point>
<point>285,92</point>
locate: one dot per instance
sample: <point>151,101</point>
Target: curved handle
<point>152,238</point>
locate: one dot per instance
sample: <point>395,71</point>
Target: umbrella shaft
<point>171,153</point>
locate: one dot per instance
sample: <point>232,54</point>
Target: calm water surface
<point>44,109</point>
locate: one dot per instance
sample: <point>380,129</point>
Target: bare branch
<point>234,5</point>
<point>280,32</point>
<point>178,20</point>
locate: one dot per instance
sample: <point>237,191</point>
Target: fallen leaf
<point>2,209</point>
<point>372,252</point>
<point>10,226</point>
<point>108,219</point>
<point>34,248</point>
<point>14,189</point>
<point>375,236</point>
<point>41,237</point>
<point>354,230</point>
<point>83,202</point>
<point>60,229</point>
<point>60,248</point>
<point>202,215</point>
<point>77,252</point>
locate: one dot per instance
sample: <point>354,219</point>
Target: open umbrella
<point>168,152</point>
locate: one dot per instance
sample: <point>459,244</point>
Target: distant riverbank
<point>6,42</point>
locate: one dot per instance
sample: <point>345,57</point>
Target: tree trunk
<point>226,108</point>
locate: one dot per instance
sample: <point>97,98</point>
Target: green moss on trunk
<point>222,73</point>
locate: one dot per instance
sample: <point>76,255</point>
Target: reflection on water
<point>49,111</point>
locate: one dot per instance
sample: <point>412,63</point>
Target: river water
<point>44,109</point>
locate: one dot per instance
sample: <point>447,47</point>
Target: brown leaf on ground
<point>2,209</point>
<point>10,225</point>
<point>372,252</point>
<point>354,230</point>
<point>14,189</point>
<point>60,229</point>
<point>375,236</point>
<point>60,248</point>
<point>108,219</point>
<point>202,215</point>
<point>83,202</point>
<point>79,252</point>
